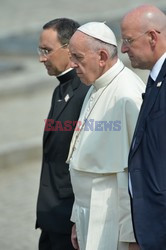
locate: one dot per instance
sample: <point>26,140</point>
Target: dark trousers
<point>55,241</point>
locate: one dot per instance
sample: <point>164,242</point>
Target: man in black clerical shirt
<point>55,198</point>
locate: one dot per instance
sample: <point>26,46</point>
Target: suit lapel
<point>68,92</point>
<point>145,110</point>
<point>61,104</point>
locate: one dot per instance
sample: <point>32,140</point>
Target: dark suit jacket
<point>147,169</point>
<point>55,197</point>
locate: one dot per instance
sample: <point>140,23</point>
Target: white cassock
<point>98,160</point>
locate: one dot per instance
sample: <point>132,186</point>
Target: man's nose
<point>124,48</point>
<point>42,58</point>
<point>73,64</point>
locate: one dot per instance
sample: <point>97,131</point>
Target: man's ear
<point>153,37</point>
<point>103,57</point>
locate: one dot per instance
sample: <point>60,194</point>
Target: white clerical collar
<point>156,68</point>
<point>106,78</point>
<point>64,72</point>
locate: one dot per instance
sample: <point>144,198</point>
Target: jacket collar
<point>145,110</point>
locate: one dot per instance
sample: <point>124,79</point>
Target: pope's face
<point>56,60</point>
<point>84,59</point>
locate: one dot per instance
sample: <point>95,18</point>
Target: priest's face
<point>84,59</point>
<point>52,53</point>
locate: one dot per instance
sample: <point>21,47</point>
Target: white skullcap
<point>100,31</point>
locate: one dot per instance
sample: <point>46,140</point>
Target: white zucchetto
<point>99,30</point>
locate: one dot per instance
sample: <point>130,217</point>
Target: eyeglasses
<point>46,52</point>
<point>129,41</point>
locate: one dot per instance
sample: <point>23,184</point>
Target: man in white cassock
<point>100,144</point>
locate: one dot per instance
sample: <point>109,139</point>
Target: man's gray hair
<point>96,44</point>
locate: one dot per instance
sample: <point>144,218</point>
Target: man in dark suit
<point>144,40</point>
<point>55,198</point>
